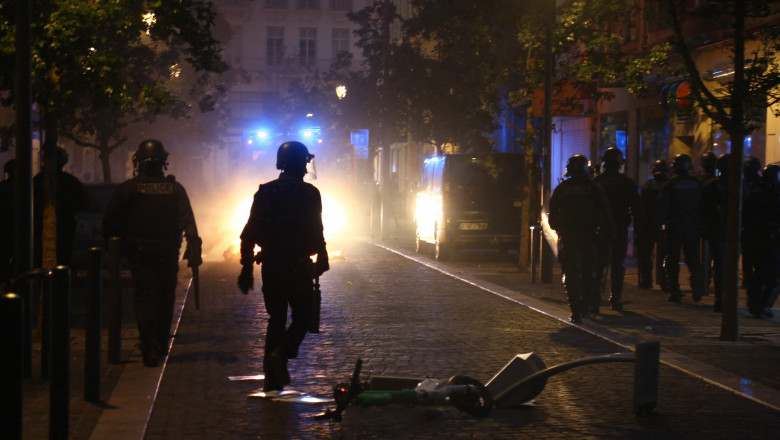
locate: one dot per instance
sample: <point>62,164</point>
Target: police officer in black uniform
<point>651,235</point>
<point>623,196</point>
<point>678,212</point>
<point>579,213</point>
<point>713,222</point>
<point>761,237</point>
<point>149,213</point>
<point>751,169</point>
<point>286,222</point>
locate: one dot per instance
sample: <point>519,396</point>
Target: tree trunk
<point>105,162</point>
<point>729,330</point>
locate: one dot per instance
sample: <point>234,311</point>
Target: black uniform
<point>623,197</point>
<point>761,238</point>
<point>286,222</point>
<point>149,214</point>
<point>678,212</point>
<point>579,212</point>
<point>651,235</point>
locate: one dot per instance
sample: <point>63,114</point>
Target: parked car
<point>469,201</point>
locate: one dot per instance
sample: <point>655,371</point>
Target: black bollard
<point>59,401</point>
<point>92,326</point>
<point>646,370</point>
<point>114,300</point>
<point>11,369</point>
<point>45,326</point>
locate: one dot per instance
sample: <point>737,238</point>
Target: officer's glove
<point>322,265</point>
<point>246,280</point>
<point>193,252</point>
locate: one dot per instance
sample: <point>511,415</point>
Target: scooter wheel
<point>477,401</point>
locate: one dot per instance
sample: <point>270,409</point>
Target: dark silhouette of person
<point>623,197</point>
<point>70,199</point>
<point>579,213</point>
<point>286,223</point>
<point>7,221</point>
<point>751,169</point>
<point>714,209</point>
<point>651,236</point>
<point>709,164</point>
<point>761,237</point>
<point>678,212</point>
<point>149,213</point>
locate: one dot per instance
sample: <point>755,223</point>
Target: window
<point>340,5</point>
<point>309,4</point>
<point>276,4</point>
<point>308,49</point>
<point>275,46</point>
<point>340,42</point>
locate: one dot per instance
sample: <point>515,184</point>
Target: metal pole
<point>114,300</point>
<point>46,289</point>
<point>547,254</point>
<point>59,400</point>
<point>11,374</point>
<point>532,253</point>
<point>92,326</point>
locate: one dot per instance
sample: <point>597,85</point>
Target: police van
<point>469,201</point>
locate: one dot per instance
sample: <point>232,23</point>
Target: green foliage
<point>96,60</point>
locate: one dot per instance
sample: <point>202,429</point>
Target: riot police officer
<point>623,196</point>
<point>149,213</point>
<point>286,222</point>
<point>651,235</point>
<point>579,212</point>
<point>761,238</point>
<point>713,221</point>
<point>751,169</point>
<point>678,212</point>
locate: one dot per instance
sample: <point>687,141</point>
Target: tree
<point>750,30</point>
<point>99,59</point>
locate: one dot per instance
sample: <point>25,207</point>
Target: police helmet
<point>9,167</point>
<point>612,158</point>
<point>708,162</point>
<point>150,150</point>
<point>292,154</point>
<point>578,166</point>
<point>659,167</point>
<point>771,176</point>
<point>723,164</point>
<point>681,164</point>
